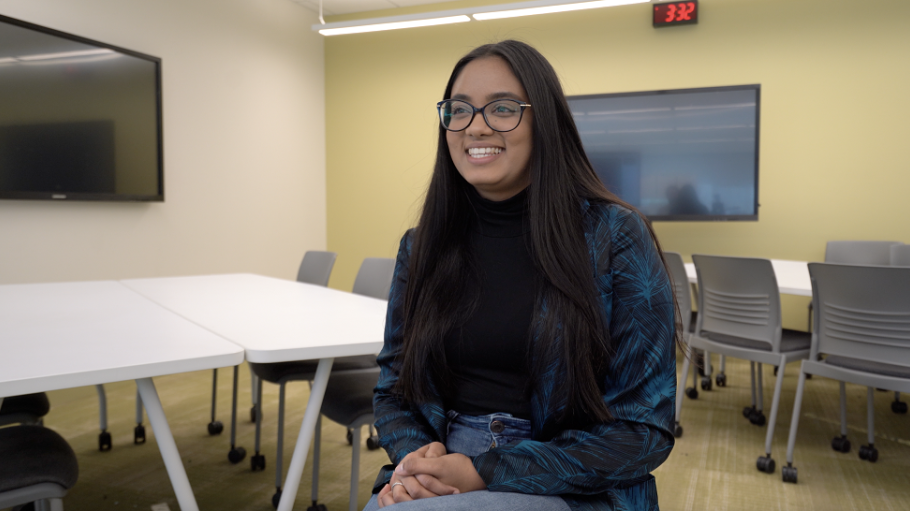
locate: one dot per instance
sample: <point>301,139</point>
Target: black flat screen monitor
<point>79,119</point>
<point>689,154</point>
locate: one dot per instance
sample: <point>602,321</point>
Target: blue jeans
<point>473,435</point>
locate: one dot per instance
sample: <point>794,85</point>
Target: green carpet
<point>711,467</point>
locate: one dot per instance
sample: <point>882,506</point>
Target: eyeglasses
<point>500,115</point>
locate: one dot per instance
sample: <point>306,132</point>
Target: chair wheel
<point>139,434</point>
<point>691,393</point>
<point>317,507</point>
<point>840,444</point>
<point>104,441</point>
<point>236,455</point>
<point>276,498</point>
<point>899,407</point>
<point>677,430</point>
<point>706,383</point>
<point>757,418</point>
<point>765,464</point>
<point>868,453</point>
<point>216,427</point>
<point>721,380</point>
<point>350,437</point>
<point>373,443</point>
<point>257,462</point>
<point>789,474</point>
<point>747,411</point>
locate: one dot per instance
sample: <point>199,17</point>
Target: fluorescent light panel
<point>514,13</point>
<point>359,29</point>
<point>461,15</point>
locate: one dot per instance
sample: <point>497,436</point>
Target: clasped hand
<point>430,472</point>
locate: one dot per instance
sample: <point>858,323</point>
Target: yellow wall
<point>834,119</point>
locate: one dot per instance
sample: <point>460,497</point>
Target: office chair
<point>38,466</point>
<point>24,409</point>
<point>374,279</point>
<point>739,316</point>
<point>684,301</point>
<point>900,256</point>
<point>862,326</point>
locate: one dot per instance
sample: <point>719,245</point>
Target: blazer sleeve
<point>402,428</point>
<point>638,307</point>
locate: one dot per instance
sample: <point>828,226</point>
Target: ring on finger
<point>398,484</point>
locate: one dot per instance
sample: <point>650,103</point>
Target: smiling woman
<point>529,357</point>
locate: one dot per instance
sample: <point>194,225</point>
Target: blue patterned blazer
<point>605,466</point>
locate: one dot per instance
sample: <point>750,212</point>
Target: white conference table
<point>64,335</point>
<point>792,276</point>
<point>277,320</point>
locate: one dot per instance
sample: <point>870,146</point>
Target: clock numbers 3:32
<point>680,11</point>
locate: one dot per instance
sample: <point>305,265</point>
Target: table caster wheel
<point>747,411</point>
<point>757,418</point>
<point>257,462</point>
<point>765,464</point>
<point>868,453</point>
<point>216,427</point>
<point>276,498</point>
<point>706,383</point>
<point>691,393</point>
<point>373,443</point>
<point>236,455</point>
<point>317,507</point>
<point>104,441</point>
<point>721,380</point>
<point>840,444</point>
<point>139,434</point>
<point>350,437</point>
<point>677,430</point>
<point>899,407</point>
<point>789,474</point>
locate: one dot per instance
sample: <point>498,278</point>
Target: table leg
<point>166,445</point>
<point>313,408</point>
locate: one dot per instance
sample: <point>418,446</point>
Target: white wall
<point>244,147</point>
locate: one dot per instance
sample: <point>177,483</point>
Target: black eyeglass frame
<point>483,114</point>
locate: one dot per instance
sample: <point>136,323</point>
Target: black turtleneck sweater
<point>488,354</point>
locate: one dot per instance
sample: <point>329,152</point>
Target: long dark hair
<point>438,293</point>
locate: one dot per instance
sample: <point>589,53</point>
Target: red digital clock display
<point>675,13</point>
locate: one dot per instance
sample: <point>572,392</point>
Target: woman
<point>529,358</point>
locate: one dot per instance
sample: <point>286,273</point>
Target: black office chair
<point>24,409</point>
<point>37,467</point>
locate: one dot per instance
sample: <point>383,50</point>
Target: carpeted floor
<point>711,467</point>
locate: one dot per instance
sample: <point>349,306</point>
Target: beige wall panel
<point>244,160</point>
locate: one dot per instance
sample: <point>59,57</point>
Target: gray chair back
<point>316,267</point>
<point>861,312</point>
<point>900,255</point>
<point>374,278</point>
<point>859,252</point>
<point>681,288</point>
<point>738,296</point>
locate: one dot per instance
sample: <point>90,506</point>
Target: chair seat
<point>790,340</point>
<point>349,396</point>
<point>306,369</point>
<point>34,455</point>
<point>869,367</point>
<point>32,404</point>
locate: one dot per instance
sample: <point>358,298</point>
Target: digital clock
<point>675,13</point>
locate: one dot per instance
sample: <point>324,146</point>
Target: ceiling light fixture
<point>461,15</point>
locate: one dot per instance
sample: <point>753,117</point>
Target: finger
<point>435,486</point>
<point>415,489</point>
<point>386,500</point>
<point>414,466</point>
<point>400,493</point>
<point>382,493</point>
<point>435,450</point>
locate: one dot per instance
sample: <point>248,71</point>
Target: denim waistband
<point>502,424</point>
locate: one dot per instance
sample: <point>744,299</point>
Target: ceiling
<point>332,7</point>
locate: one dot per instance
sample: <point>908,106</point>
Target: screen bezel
<point>701,218</point>
<point>113,197</point>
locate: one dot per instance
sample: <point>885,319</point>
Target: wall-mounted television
<point>687,154</point>
<point>79,119</point>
